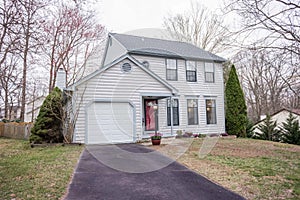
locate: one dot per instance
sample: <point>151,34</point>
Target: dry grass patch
<point>254,169</point>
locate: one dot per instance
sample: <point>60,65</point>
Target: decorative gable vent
<point>145,64</point>
<point>126,67</point>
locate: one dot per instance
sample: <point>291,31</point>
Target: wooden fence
<point>15,130</point>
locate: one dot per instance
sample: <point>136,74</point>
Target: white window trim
<point>166,65</point>
<point>214,73</point>
<point>187,112</point>
<point>186,69</point>
<point>211,98</point>
<point>173,113</point>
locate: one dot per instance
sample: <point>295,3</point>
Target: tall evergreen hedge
<point>48,125</point>
<point>235,106</point>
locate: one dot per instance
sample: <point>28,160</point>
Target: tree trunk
<point>6,104</point>
<point>26,49</point>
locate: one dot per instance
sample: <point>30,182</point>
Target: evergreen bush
<point>291,130</point>
<point>249,128</point>
<point>48,125</point>
<point>268,130</point>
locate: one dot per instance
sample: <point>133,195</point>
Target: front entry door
<point>150,116</point>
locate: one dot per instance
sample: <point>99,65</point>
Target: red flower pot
<point>155,141</point>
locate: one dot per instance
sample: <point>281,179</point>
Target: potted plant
<point>156,138</point>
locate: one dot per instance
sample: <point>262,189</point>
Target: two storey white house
<point>146,85</point>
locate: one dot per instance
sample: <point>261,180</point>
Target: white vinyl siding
<point>117,85</point>
<point>200,88</point>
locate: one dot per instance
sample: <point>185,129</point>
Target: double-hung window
<point>192,111</point>
<point>211,117</point>
<point>209,73</point>
<point>171,65</point>
<point>175,109</point>
<point>191,71</point>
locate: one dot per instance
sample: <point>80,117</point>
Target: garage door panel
<point>110,123</point>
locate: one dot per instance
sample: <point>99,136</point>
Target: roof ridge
<point>143,37</point>
<point>152,38</point>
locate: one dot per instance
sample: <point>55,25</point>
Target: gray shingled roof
<point>159,47</point>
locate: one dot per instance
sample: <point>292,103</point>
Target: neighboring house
<point>1,113</point>
<point>279,117</point>
<point>146,84</point>
<point>32,108</point>
<point>13,113</point>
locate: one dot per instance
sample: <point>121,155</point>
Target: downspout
<point>171,109</point>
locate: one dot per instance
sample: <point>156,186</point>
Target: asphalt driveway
<point>104,172</point>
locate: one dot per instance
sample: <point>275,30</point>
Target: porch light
<point>153,105</point>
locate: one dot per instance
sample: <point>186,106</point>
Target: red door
<point>150,120</point>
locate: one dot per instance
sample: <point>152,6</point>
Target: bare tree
<point>9,42</point>
<point>200,27</point>
<point>30,23</point>
<point>277,20</point>
<point>9,32</point>
<point>71,36</point>
<point>264,76</point>
<point>66,31</point>
<point>271,24</point>
<point>272,75</point>
<point>10,84</point>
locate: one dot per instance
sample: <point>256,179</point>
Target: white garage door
<point>110,122</point>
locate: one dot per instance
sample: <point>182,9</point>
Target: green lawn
<point>255,169</point>
<point>35,173</point>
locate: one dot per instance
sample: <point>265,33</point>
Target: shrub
<point>178,133</point>
<point>48,125</point>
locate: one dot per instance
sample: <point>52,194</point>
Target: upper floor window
<point>209,73</point>
<point>191,71</point>
<point>192,111</point>
<point>175,110</point>
<point>211,117</point>
<point>171,65</point>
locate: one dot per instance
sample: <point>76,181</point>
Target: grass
<point>35,173</point>
<point>255,169</point>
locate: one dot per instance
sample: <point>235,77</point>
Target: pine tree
<point>291,130</point>
<point>268,130</point>
<point>249,128</point>
<point>48,125</point>
<point>236,110</point>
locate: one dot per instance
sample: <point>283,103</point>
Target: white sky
<point>127,15</point>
